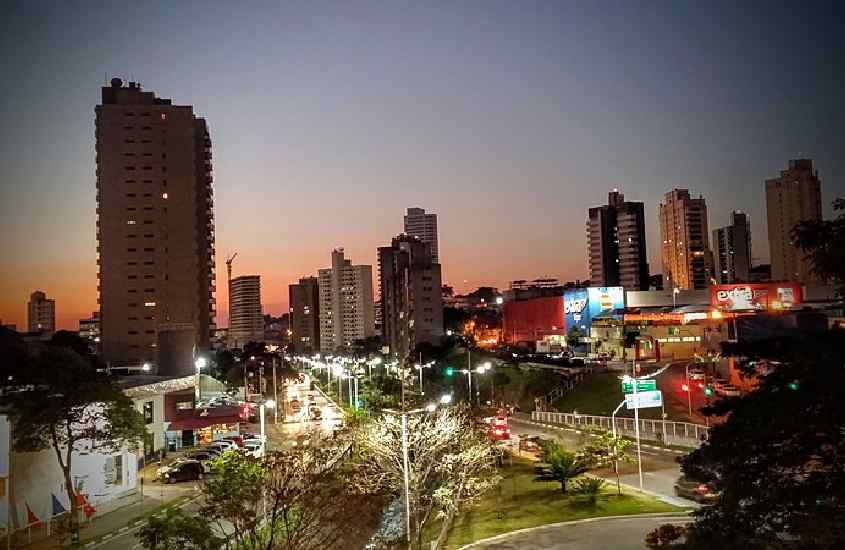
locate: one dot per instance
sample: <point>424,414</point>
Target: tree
<point>59,401</point>
<point>607,449</point>
<point>450,463</point>
<point>823,243</point>
<point>176,530</point>
<point>564,465</point>
<point>72,340</point>
<point>573,337</point>
<point>297,500</point>
<point>776,462</point>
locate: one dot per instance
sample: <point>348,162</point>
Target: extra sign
<point>644,400</point>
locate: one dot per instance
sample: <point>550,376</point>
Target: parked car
<point>223,445</point>
<point>695,490</point>
<point>254,447</point>
<point>236,439</point>
<point>216,451</point>
<point>182,470</point>
<point>203,457</point>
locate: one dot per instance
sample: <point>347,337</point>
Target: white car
<point>223,445</point>
<point>254,447</point>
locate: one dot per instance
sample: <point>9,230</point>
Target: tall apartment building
<point>617,245</point>
<point>41,313</point>
<point>687,259</point>
<point>304,300</point>
<point>793,197</point>
<point>246,320</point>
<point>347,311</point>
<point>732,250</point>
<point>424,227</point>
<point>411,297</point>
<point>89,329</point>
<point>155,222</point>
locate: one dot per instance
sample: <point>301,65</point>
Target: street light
<point>269,404</point>
<point>146,367</point>
<point>675,292</point>
<point>199,363</point>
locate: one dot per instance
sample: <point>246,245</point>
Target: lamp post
<point>675,292</point>
<point>468,372</point>
<point>269,404</point>
<point>481,369</point>
<point>689,391</point>
<point>200,364</point>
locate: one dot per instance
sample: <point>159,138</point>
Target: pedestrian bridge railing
<point>685,434</point>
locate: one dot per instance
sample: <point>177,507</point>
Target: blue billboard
<point>604,299</point>
<point>576,312</point>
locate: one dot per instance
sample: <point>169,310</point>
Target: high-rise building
<point>246,320</point>
<point>155,226</point>
<point>732,250</point>
<point>424,227</point>
<point>687,260</point>
<point>304,300</point>
<point>793,197</point>
<point>411,298</point>
<point>89,329</point>
<point>347,312</point>
<point>41,313</point>
<point>617,245</point>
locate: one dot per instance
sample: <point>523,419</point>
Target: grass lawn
<point>521,502</point>
<point>599,394</point>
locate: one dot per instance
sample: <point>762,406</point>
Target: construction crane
<point>229,269</point>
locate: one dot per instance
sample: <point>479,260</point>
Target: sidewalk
<point>156,495</point>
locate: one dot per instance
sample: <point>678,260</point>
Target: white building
<point>347,310</point>
<point>246,321</point>
<point>424,227</point>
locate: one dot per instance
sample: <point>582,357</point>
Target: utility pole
<point>276,395</point>
<point>229,294</point>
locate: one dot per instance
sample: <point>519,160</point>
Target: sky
<point>328,119</point>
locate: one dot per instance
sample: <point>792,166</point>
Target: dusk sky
<point>507,119</point>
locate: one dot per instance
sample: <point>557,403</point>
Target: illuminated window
<point>164,195</point>
<point>130,222</point>
<point>149,304</point>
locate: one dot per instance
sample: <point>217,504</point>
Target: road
<point>598,534</point>
<point>660,469</point>
<point>280,435</point>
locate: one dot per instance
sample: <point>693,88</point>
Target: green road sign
<point>643,384</point>
<point>644,400</point>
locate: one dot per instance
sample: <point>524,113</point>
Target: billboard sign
<point>605,298</point>
<point>755,296</point>
<point>576,312</point>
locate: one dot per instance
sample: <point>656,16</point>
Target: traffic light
<point>450,371</point>
<point>793,385</point>
<point>708,391</point>
<point>685,387</point>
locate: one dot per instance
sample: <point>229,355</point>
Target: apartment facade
<point>347,311</point>
<point>411,297</point>
<point>423,226</point>
<point>685,251</point>
<point>41,313</point>
<point>793,197</point>
<point>732,250</point>
<point>616,244</point>
<point>155,221</point>
<point>246,320</point>
<point>304,300</point>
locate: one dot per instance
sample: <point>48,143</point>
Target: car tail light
<point>702,488</point>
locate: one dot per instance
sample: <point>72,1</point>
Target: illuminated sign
<point>575,310</point>
<point>605,298</point>
<point>759,296</point>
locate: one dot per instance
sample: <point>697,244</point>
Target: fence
<point>683,434</point>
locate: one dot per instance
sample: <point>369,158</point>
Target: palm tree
<point>564,465</point>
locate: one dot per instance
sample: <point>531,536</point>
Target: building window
<point>148,412</point>
<point>113,470</point>
<point>184,405</point>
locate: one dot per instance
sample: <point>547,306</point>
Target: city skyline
<point>516,133</point>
